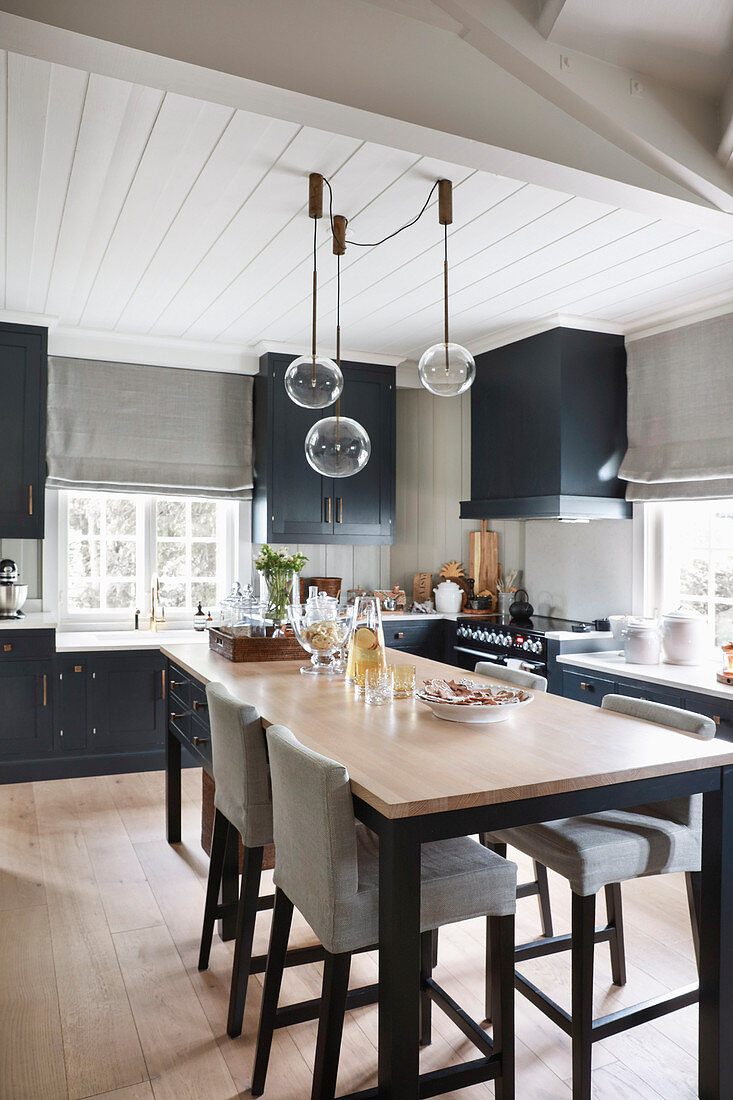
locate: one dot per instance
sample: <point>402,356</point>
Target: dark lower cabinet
<point>81,713</point>
<point>586,688</point>
<point>653,693</point>
<point>422,638</point>
<point>26,709</point>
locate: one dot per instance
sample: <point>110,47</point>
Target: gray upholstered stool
<point>517,676</point>
<point>328,867</point>
<point>603,850</point>
<point>243,803</point>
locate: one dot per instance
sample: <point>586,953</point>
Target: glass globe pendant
<point>313,381</point>
<point>338,446</point>
<point>446,369</point>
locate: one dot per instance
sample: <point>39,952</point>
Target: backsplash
<point>28,554</point>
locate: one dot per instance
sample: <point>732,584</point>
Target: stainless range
<point>521,643</point>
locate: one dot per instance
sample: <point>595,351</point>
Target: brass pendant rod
<point>339,249</point>
<point>315,211</point>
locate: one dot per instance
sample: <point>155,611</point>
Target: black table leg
<point>230,885</point>
<point>716,943</point>
<point>399,961</point>
<point>172,788</point>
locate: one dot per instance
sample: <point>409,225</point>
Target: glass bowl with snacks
<point>322,628</point>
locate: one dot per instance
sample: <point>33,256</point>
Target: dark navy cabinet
<point>292,503</point>
<point>423,637</point>
<point>78,714</point>
<point>23,384</point>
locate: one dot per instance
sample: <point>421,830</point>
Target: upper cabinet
<point>548,429</point>
<point>292,503</point>
<point>23,381</point>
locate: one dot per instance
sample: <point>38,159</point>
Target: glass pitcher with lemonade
<point>366,640</point>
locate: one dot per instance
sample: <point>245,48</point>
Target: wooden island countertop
<point>404,762</point>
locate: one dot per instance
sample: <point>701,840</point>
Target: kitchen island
<point>417,779</point>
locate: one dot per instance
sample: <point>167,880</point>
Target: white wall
<point>433,476</point>
<point>26,553</point>
<point>579,570</point>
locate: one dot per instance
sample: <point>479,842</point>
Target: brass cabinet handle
<point>199,706</point>
<point>584,687</point>
<point>7,648</point>
<point>30,500</point>
<point>172,715</point>
<point>339,510</point>
<point>400,634</point>
<point>200,741</point>
<point>45,690</point>
<point>177,683</point>
<point>716,719</point>
<point>162,682</point>
<point>78,668</point>
<point>327,502</point>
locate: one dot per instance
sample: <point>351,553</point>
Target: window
<point>696,564</point>
<point>110,545</point>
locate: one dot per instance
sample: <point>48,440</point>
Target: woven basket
<point>330,585</point>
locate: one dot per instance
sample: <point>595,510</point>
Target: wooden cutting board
<point>484,559</point>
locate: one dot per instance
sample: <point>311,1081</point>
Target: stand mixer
<point>13,594</point>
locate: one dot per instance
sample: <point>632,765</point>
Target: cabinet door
<point>301,501</point>
<point>363,504</point>
<point>26,713</point>
<point>720,710</point>
<point>22,430</point>
<point>70,704</point>
<point>127,702</point>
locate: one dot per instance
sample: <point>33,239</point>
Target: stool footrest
<point>536,949</point>
<point>470,1028</point>
<point>439,1081</point>
<point>309,1010</point>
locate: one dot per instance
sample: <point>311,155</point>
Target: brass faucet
<point>157,611</point>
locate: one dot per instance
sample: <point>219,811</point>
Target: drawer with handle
<point>720,710</point>
<point>586,688</point>
<point>26,644</point>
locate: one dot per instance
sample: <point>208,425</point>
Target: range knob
<point>537,647</point>
<point>507,639</point>
<point>528,646</point>
<point>493,637</point>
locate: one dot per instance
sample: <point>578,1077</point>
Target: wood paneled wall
<point>27,553</point>
<point>368,566</point>
<point>433,476</point>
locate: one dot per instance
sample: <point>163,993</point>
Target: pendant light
<point>446,369</point>
<point>338,446</point>
<point>313,381</point>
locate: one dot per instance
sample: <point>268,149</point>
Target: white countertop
<point>33,620</point>
<point>90,641</point>
<point>699,678</point>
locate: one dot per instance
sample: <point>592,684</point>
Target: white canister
<point>448,597</point>
<point>618,623</point>
<point>683,637</point>
<point>642,642</point>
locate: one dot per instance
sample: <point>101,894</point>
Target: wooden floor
<point>100,995</point>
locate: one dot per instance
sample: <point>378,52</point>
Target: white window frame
<point>233,536</point>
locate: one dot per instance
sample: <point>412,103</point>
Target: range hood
<point>548,429</point>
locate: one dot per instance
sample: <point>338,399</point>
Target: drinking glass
<point>378,685</point>
<point>404,681</point>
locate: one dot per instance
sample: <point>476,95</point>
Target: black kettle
<point>521,608</point>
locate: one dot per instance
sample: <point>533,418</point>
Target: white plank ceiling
<point>135,211</point>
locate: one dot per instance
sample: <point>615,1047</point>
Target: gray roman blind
<point>125,427</point>
<point>680,413</point>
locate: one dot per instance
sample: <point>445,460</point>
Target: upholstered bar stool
<point>539,886</point>
<point>242,802</point>
<point>603,850</point>
<point>328,867</point>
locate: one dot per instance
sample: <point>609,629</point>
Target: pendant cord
<point>374,244</point>
<point>445,286</point>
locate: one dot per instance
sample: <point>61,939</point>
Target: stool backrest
<point>517,676</point>
<point>314,827</point>
<point>686,810</point>
<point>239,761</point>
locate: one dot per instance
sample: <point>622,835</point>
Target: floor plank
<point>92,997</point>
<point>21,873</point>
<point>181,1053</point>
<point>143,1091</point>
<point>31,1048</point>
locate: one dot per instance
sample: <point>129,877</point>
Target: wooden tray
<point>240,647</point>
